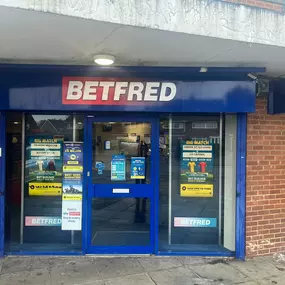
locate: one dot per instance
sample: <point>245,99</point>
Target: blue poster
<point>100,166</point>
<point>137,168</point>
<point>72,169</point>
<point>118,168</point>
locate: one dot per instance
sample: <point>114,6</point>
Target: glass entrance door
<point>121,181</point>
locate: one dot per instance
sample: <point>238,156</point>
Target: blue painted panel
<point>241,186</point>
<point>2,181</point>
<point>119,250</point>
<point>39,88</point>
<point>276,98</point>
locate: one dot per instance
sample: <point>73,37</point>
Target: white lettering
<point>74,91</point>
<point>135,88</point>
<point>120,89</point>
<point>106,87</point>
<point>89,92</point>
<point>134,91</point>
<point>151,91</point>
<point>208,222</point>
<point>164,87</point>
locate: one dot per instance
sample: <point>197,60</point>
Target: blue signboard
<point>118,168</point>
<point>137,168</point>
<point>72,169</point>
<point>63,89</point>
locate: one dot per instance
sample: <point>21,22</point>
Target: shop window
<point>37,202</point>
<point>197,183</point>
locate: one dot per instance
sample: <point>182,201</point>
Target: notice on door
<point>118,168</point>
<point>137,168</point>
<point>196,168</point>
<point>72,186</point>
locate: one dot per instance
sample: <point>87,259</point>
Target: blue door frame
<point>2,180</point>
<point>149,191</point>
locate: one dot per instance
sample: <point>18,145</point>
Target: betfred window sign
<point>97,91</point>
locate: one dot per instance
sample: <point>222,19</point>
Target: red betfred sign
<point>102,91</point>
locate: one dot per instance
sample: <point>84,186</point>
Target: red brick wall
<point>265,204</point>
<point>259,4</point>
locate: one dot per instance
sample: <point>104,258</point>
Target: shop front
<point>123,160</point>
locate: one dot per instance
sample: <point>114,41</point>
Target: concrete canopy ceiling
<point>37,37</point>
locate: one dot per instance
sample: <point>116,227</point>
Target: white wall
<point>199,17</point>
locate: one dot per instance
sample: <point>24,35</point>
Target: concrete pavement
<point>145,270</point>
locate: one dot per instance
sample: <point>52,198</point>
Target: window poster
<point>137,168</point>
<point>43,168</point>
<point>196,168</point>
<point>72,186</point>
<point>118,168</point>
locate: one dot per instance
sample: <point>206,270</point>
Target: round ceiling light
<point>104,59</point>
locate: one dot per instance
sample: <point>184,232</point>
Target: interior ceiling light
<point>104,59</point>
<point>203,69</point>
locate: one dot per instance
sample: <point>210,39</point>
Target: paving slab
<point>138,279</point>
<point>16,263</point>
<point>280,265</point>
<point>159,263</point>
<point>256,269</point>
<point>249,283</point>
<point>76,271</point>
<point>118,266</point>
<point>222,272</point>
<point>31,277</point>
<point>280,280</point>
<point>174,276</point>
<point>97,282</point>
<point>1,263</point>
<point>192,260</point>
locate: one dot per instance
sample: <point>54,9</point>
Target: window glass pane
<point>192,175</point>
<point>120,222</point>
<point>121,153</point>
<point>41,190</point>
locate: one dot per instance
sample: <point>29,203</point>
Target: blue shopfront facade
<point>129,123</point>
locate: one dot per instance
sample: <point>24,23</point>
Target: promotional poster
<point>72,184</point>
<point>43,169</point>
<point>118,168</point>
<point>137,168</point>
<point>196,168</point>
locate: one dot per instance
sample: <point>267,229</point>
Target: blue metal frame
<point>241,186</point>
<point>198,253</point>
<point>146,190</point>
<point>2,180</point>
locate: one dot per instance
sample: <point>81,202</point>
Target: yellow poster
<point>72,168</point>
<point>72,197</point>
<point>45,189</point>
<point>196,190</point>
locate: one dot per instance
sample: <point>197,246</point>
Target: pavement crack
<point>151,279</point>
